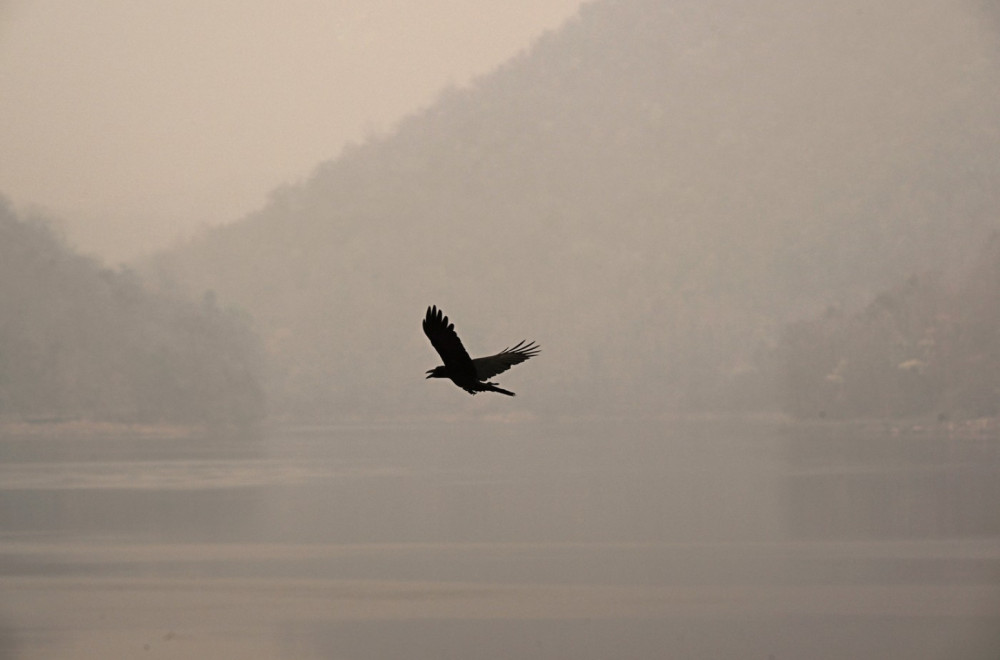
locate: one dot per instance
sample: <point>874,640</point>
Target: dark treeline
<point>78,340</point>
<point>920,348</point>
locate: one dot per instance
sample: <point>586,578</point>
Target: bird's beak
<point>429,372</point>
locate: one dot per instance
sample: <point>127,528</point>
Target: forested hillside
<point>921,348</point>
<point>650,192</point>
<point>80,341</point>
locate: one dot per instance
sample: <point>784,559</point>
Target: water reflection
<point>492,541</point>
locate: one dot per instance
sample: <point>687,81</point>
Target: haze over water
<point>758,243</point>
<point>475,541</point>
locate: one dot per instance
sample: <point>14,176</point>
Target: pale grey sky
<point>137,123</point>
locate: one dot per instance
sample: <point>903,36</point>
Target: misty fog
<point>758,245</point>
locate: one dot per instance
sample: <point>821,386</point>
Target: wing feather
<point>445,341</point>
<point>490,366</point>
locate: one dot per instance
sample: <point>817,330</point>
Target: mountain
<point>648,192</point>
<point>81,341</point>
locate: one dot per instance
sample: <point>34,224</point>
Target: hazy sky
<point>137,122</point>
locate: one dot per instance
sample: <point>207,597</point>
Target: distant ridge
<point>84,348</point>
<point>660,184</point>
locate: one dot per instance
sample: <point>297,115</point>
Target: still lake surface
<point>610,539</point>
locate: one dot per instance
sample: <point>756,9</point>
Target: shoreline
<point>972,428</point>
<point>90,428</point>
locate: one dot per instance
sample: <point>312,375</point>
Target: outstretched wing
<point>488,367</point>
<point>446,342</point>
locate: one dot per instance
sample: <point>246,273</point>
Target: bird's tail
<point>492,387</point>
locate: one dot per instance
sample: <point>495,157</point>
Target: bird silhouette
<point>472,375</point>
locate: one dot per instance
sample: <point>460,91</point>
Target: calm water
<point>492,541</point>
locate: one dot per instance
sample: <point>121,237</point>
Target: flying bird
<point>471,375</point>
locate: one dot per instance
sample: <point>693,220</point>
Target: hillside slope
<point>80,341</point>
<point>648,192</point>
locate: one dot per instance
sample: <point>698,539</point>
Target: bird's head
<point>437,372</point>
